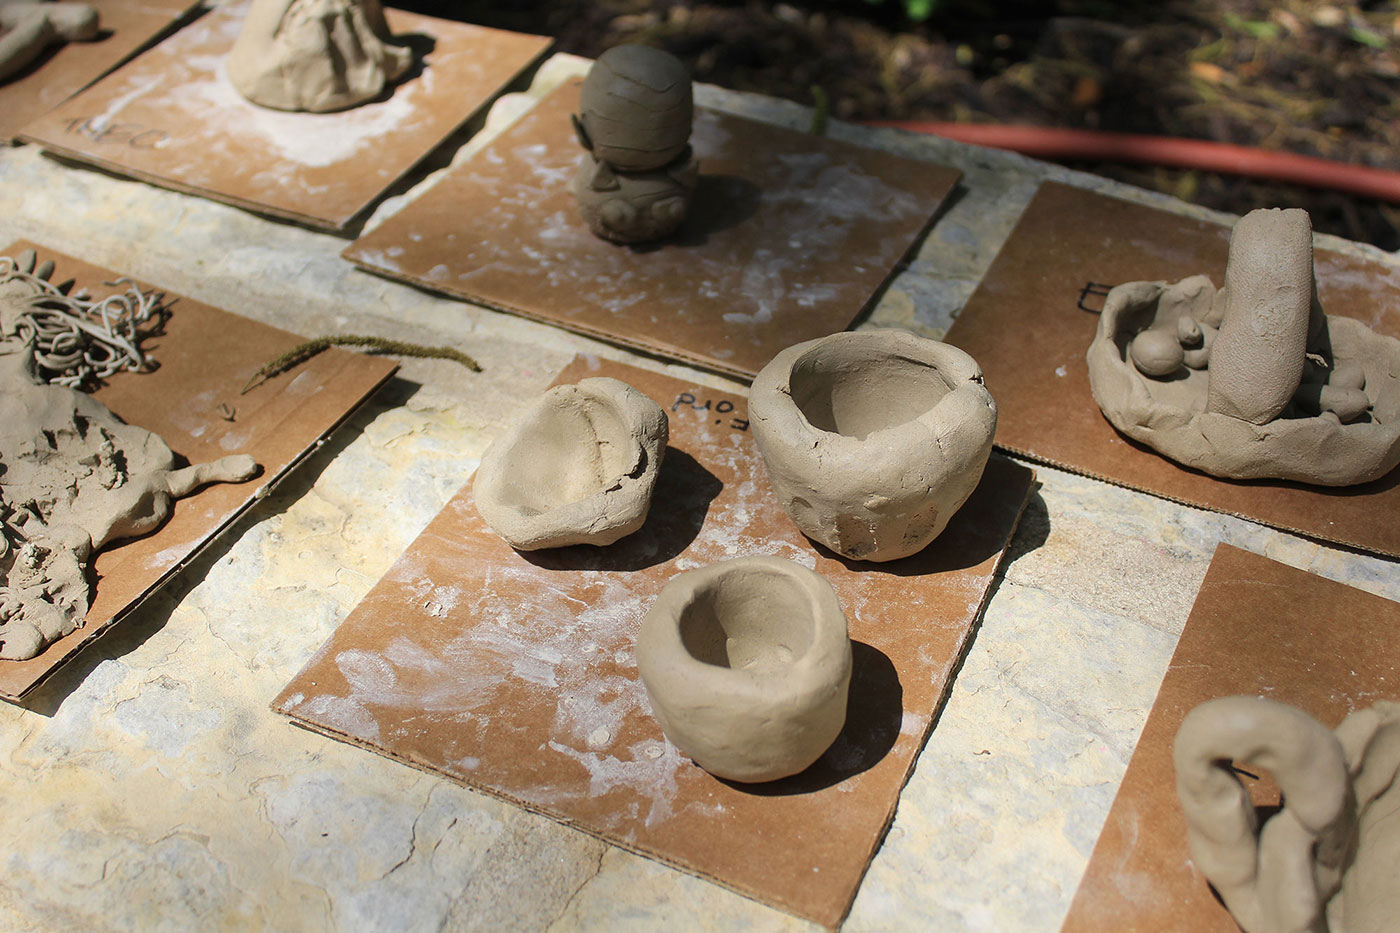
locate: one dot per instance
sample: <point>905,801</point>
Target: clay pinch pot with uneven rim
<point>747,664</point>
<point>1326,861</point>
<point>578,467</point>
<point>873,439</point>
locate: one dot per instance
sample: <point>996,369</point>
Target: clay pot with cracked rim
<point>873,439</point>
<point>747,664</point>
<point>579,467</point>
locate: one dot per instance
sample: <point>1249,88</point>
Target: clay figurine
<point>635,112</point>
<point>315,55</point>
<point>872,439</point>
<point>1326,861</point>
<point>1251,380</point>
<point>28,27</point>
<point>747,665</point>
<point>578,468</point>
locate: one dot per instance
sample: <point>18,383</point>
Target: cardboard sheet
<point>172,118</point>
<point>65,69</point>
<point>515,673</point>
<point>1260,628</point>
<point>1028,327</point>
<point>789,237</point>
<point>205,358</point>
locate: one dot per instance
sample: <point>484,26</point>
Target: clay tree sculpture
<point>1251,380</point>
<point>1327,860</point>
<point>747,664</point>
<point>578,468</point>
<point>872,439</point>
<point>635,111</point>
<point>315,55</point>
<point>28,27</point>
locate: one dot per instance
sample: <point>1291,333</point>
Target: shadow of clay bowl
<point>578,468</point>
<point>872,439</point>
<point>747,664</point>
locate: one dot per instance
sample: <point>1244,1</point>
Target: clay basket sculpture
<point>578,468</point>
<point>1329,860</point>
<point>747,665</point>
<point>1253,380</point>
<point>873,439</point>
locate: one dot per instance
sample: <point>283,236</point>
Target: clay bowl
<point>578,468</point>
<point>747,665</point>
<point>872,440</point>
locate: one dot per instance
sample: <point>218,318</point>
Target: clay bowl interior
<point>861,389</point>
<point>726,625</point>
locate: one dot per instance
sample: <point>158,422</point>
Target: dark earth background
<point>1314,78</point>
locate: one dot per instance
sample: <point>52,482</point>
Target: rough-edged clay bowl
<point>747,665</point>
<point>578,467</point>
<point>1170,417</point>
<point>872,439</point>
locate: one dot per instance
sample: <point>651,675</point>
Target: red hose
<point>1055,143</point>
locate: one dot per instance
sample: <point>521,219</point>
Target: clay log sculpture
<point>635,113</point>
<point>73,478</point>
<point>1327,860</point>
<point>872,439</point>
<point>747,664</point>
<point>27,28</point>
<point>578,468</point>
<point>1252,380</point>
<point>315,55</point>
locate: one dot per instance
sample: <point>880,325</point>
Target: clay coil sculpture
<point>1326,861</point>
<point>872,439</point>
<point>747,664</point>
<point>27,28</point>
<point>1252,380</point>
<point>579,467</point>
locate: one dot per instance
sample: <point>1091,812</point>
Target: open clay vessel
<point>872,439</point>
<point>1251,380</point>
<point>635,113</point>
<point>578,468</point>
<point>315,55</point>
<point>1327,861</point>
<point>747,664</point>
<point>27,28</point>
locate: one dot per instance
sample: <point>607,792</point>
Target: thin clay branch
<point>305,351</point>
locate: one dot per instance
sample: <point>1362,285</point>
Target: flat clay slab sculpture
<point>1036,312</point>
<point>788,238</point>
<point>173,117</point>
<point>516,672</point>
<point>1258,629</point>
<point>205,357</point>
<point>62,69</point>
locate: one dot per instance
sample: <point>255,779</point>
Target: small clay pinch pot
<point>747,664</point>
<point>578,468</point>
<point>873,439</point>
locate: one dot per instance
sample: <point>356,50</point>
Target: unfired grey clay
<point>578,468</point>
<point>747,664</point>
<point>30,27</point>
<point>1252,380</point>
<point>635,112</point>
<point>872,439</point>
<point>1327,860</point>
<point>315,55</point>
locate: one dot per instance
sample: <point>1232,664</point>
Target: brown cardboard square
<point>1027,326</point>
<point>172,118</point>
<point>205,358</point>
<point>1260,628</point>
<point>515,673</point>
<point>66,69</point>
<point>788,238</point>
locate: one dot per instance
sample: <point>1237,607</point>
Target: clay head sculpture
<point>315,55</point>
<point>29,27</point>
<point>872,439</point>
<point>635,113</point>
<point>747,665</point>
<point>1327,860</point>
<point>1251,380</point>
<point>579,467</point>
